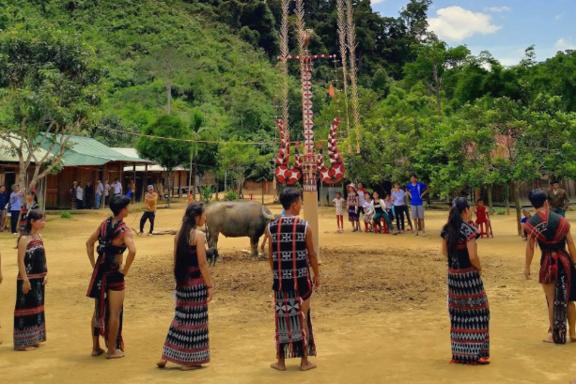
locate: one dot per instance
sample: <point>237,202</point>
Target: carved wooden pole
<point>310,166</point>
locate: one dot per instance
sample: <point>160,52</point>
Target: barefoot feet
<point>306,366</point>
<point>279,366</point>
<point>161,364</point>
<point>549,339</point>
<point>117,354</point>
<point>97,352</point>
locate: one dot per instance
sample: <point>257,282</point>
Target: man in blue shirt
<point>416,191</point>
<point>16,201</point>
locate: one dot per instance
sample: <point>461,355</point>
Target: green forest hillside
<point>218,83</point>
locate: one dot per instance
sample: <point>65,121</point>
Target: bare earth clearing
<point>380,316</point>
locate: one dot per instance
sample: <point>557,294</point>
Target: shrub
<point>231,196</point>
<point>206,193</point>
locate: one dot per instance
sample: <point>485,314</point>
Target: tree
<point>433,61</point>
<point>166,152</point>
<point>48,90</point>
<point>262,170</point>
<point>166,64</point>
<point>237,159</point>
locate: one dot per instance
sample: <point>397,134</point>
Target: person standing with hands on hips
<point>416,191</point>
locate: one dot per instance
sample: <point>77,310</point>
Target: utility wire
<point>194,141</point>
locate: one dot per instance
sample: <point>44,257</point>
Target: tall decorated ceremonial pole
<point>309,163</point>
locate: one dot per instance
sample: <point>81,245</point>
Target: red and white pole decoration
<point>335,173</point>
<point>311,163</point>
<point>285,174</point>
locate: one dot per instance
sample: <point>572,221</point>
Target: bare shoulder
<point>23,241</point>
<point>197,236</point>
<point>128,233</point>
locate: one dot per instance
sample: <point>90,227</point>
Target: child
<point>526,215</point>
<point>339,204</point>
<point>29,320</point>
<point>352,204</point>
<point>368,212</point>
<point>379,213</point>
<point>389,211</point>
<point>483,219</point>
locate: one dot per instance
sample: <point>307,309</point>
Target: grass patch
<point>66,215</point>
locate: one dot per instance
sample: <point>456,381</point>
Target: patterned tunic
<point>187,340</point>
<point>467,303</point>
<point>29,319</point>
<point>107,276</point>
<point>292,286</point>
<point>550,229</point>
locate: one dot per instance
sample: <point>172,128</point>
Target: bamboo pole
<point>341,10</point>
<point>351,34</point>
<point>284,52</point>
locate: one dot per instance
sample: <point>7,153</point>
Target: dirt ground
<point>380,316</point>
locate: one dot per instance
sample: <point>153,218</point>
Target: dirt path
<point>379,318</point>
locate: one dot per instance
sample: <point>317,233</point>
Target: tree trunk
<point>507,198</point>
<point>437,89</point>
<point>169,97</point>
<point>169,187</point>
<point>194,181</point>
<point>190,177</point>
<point>516,186</point>
<point>22,177</point>
<point>490,198</point>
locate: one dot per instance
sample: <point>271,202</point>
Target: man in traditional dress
<point>557,274</point>
<point>107,282</point>
<point>558,199</point>
<point>291,254</point>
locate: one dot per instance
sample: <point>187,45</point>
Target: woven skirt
<point>294,335</point>
<point>469,316</point>
<point>187,339</point>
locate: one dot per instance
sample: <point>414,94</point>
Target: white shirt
<point>361,198</point>
<point>339,203</point>
<point>107,188</point>
<point>79,193</point>
<point>99,188</point>
<point>117,188</point>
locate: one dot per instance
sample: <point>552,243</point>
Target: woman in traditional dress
<point>29,320</point>
<point>187,340</point>
<point>467,300</point>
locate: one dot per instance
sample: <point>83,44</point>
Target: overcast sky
<point>505,28</point>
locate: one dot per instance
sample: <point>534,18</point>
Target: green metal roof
<point>85,151</point>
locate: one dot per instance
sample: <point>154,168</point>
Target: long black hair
<point>32,215</point>
<point>193,211</point>
<point>454,224</point>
